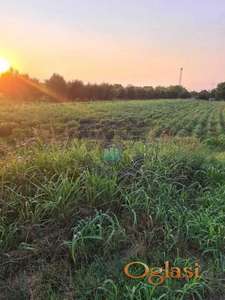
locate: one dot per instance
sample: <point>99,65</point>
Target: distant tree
<point>194,94</point>
<point>76,90</point>
<point>20,87</point>
<point>183,93</point>
<point>58,84</point>
<point>213,93</point>
<point>173,91</point>
<point>105,91</point>
<point>90,91</point>
<point>220,91</point>
<point>149,92</point>
<point>160,92</point>
<point>131,92</point>
<point>177,91</point>
<point>204,95</point>
<point>117,91</point>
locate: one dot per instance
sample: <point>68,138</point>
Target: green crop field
<point>74,210</point>
<point>136,120</point>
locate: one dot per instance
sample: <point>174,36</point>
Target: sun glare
<point>4,65</point>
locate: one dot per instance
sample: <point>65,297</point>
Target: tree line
<point>22,87</point>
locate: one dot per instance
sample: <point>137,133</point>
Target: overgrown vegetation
<point>73,214</point>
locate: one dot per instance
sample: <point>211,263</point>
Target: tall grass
<point>73,219</point>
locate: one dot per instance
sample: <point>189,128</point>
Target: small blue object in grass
<point>112,155</point>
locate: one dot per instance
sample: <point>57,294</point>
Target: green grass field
<point>71,217</point>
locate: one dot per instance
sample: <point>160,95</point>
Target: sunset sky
<point>140,42</point>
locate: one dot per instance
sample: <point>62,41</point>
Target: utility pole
<point>180,77</point>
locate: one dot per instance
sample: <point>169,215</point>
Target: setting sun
<point>4,65</point>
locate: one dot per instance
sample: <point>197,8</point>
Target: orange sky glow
<point>146,45</point>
